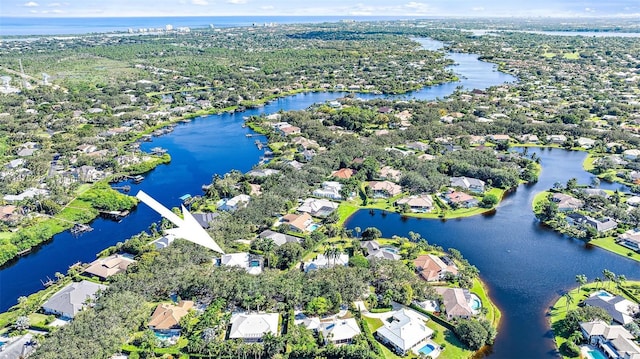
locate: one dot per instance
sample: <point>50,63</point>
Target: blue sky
<point>418,8</point>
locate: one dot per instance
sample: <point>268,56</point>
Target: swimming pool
<point>596,354</point>
<point>475,303</point>
<point>163,336</point>
<point>313,227</point>
<point>603,293</point>
<point>393,250</point>
<point>427,349</point>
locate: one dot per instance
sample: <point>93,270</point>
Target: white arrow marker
<point>188,228</point>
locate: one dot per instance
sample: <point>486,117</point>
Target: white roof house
<point>249,262</point>
<point>234,203</point>
<point>321,261</point>
<point>318,207</point>
<point>340,331</point>
<point>72,298</point>
<point>28,193</point>
<point>252,327</point>
<point>404,331</point>
<point>330,189</point>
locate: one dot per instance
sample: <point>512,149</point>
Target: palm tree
<point>567,296</point>
<point>609,275</point>
<point>331,253</point>
<point>582,280</point>
<point>597,280</point>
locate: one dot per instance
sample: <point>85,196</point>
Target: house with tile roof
<point>456,302</point>
<point>432,268</point>
<point>404,331</point>
<point>384,189</point>
<point>166,317</point>
<point>298,222</point>
<point>104,268</point>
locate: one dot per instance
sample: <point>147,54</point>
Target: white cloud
<point>57,11</point>
<point>31,4</point>
<point>237,2</point>
<point>200,2</point>
<point>477,8</point>
<point>55,4</point>
<point>267,7</point>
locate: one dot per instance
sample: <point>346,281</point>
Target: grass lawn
<point>560,308</point>
<point>493,313</point>
<point>374,324</point>
<point>539,198</point>
<point>345,210</point>
<point>83,188</point>
<point>37,319</point>
<point>571,55</point>
<point>549,55</point>
<point>453,348</point>
<point>587,165</point>
<point>610,244</point>
<point>5,235</point>
<point>277,146</point>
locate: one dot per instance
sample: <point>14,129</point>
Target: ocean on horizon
<point>22,26</point>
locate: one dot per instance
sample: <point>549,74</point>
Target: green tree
<point>319,306</point>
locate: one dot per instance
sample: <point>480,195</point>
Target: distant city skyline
<point>347,8</point>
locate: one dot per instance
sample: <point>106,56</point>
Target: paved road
<point>15,349</point>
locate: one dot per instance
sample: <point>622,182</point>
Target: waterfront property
<point>108,266</point>
<point>329,189</point>
<point>456,302</point>
<point>419,204</point>
<point>566,202</point>
<point>384,189</point>
<point>468,184</point>
<point>619,308</point>
<point>404,331</point>
<point>600,225</point>
<point>252,327</point>
<point>233,204</point>
<point>72,298</point>
<point>374,250</point>
<point>433,268</point>
<point>614,340</point>
<point>339,331</point>
<point>457,198</point>
<point>630,239</point>
<point>301,223</point>
<point>166,317</point>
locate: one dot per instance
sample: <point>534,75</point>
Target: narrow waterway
<point>525,264</point>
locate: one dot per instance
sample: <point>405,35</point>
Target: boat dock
<point>158,151</point>
<point>80,228</point>
<point>115,215</point>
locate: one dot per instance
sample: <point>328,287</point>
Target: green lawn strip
<point>560,308</point>
<point>609,243</point>
<point>277,146</point>
<point>453,348</point>
<point>539,199</point>
<point>32,304</point>
<point>493,313</point>
<point>37,319</point>
<point>587,165</point>
<point>571,55</point>
<point>345,210</point>
<point>5,235</point>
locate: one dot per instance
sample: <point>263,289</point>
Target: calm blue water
<point>18,26</point>
<point>525,265</point>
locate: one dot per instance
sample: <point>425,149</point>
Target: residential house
<point>205,219</point>
<point>630,239</point>
<point>28,193</point>
<point>308,154</point>
<point>388,173</point>
<point>631,154</point>
<point>456,302</point>
<point>279,238</point>
<point>529,138</point>
<point>252,327</point>
<point>233,204</point>
<point>417,146</point>
<point>343,173</point>
<point>330,189</point>
<point>305,142</point>
<point>318,207</point>
<point>166,317</point>
<point>580,220</point>
<point>566,202</point>
<point>633,201</point>
<point>104,268</point>
<point>619,308</point>
<point>8,213</point>
<point>71,299</point>
<point>433,268</point>
<point>375,251</point>
<point>460,199</point>
<point>384,189</point>
<point>419,204</point>
<point>557,139</point>
<point>27,152</point>
<point>404,331</point>
<point>249,262</point>
<point>18,162</point>
<point>289,130</point>
<point>262,172</point>
<point>594,192</point>
<point>298,222</point>
<point>614,340</point>
<point>468,184</point>
<point>164,241</point>
<point>322,261</point>
<point>88,174</point>
<point>426,157</point>
<point>87,148</point>
<point>585,142</point>
<point>311,323</point>
<point>339,331</point>
<point>499,138</point>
